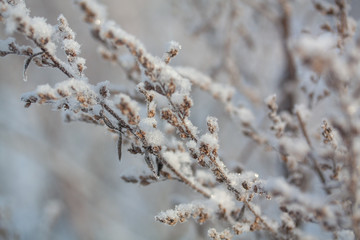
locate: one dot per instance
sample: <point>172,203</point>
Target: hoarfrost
<point>224,198</point>
<point>153,136</point>
<point>209,139</point>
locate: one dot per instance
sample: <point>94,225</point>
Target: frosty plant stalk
<point>319,181</point>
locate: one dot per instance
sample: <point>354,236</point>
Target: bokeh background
<point>63,180</point>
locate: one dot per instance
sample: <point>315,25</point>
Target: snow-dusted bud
<point>212,124</point>
<point>72,94</point>
<point>173,49</point>
<point>169,116</point>
<point>183,102</point>
<point>151,110</point>
<point>128,107</point>
<point>70,46</point>
<point>271,103</point>
<point>183,212</point>
<point>153,136</point>
<point>209,144</point>
<point>278,124</point>
<point>102,89</point>
<point>94,12</point>
<point>240,228</point>
<point>224,235</point>
<point>64,30</point>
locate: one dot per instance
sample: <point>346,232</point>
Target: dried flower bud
<point>169,116</point>
<point>148,86</point>
<point>170,88</point>
<point>327,132</point>
<point>240,228</point>
<point>173,50</point>
<point>129,179</point>
<point>128,107</point>
<point>186,105</point>
<point>212,124</point>
<point>183,212</point>
<point>224,235</point>
<point>151,109</point>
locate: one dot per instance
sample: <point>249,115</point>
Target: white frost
<point>152,135</point>
<point>173,45</point>
<point>210,140</point>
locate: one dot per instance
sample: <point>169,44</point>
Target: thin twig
<point>166,163</point>
<point>310,155</point>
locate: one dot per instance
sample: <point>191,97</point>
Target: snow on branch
<point>182,212</point>
<point>311,149</point>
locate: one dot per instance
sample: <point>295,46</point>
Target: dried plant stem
<point>310,155</point>
<point>261,10</point>
<point>257,216</point>
<point>29,59</point>
<point>185,180</point>
<point>166,163</point>
<point>343,19</point>
<point>319,173</point>
<point>289,77</point>
<point>218,171</point>
<point>348,135</point>
<point>303,129</point>
<point>155,119</point>
<point>181,116</point>
<point>55,60</point>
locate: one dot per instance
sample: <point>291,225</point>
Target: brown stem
<point>260,218</point>
<point>289,76</point>
<point>303,129</point>
<point>185,180</point>
<point>56,62</point>
<point>310,155</point>
<point>353,184</point>
<point>166,163</point>
<point>237,194</point>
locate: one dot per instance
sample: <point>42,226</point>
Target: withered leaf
<point>119,144</point>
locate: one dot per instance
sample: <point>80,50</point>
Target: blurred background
<point>63,180</point>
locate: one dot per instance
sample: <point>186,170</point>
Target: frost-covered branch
<point>309,160</point>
